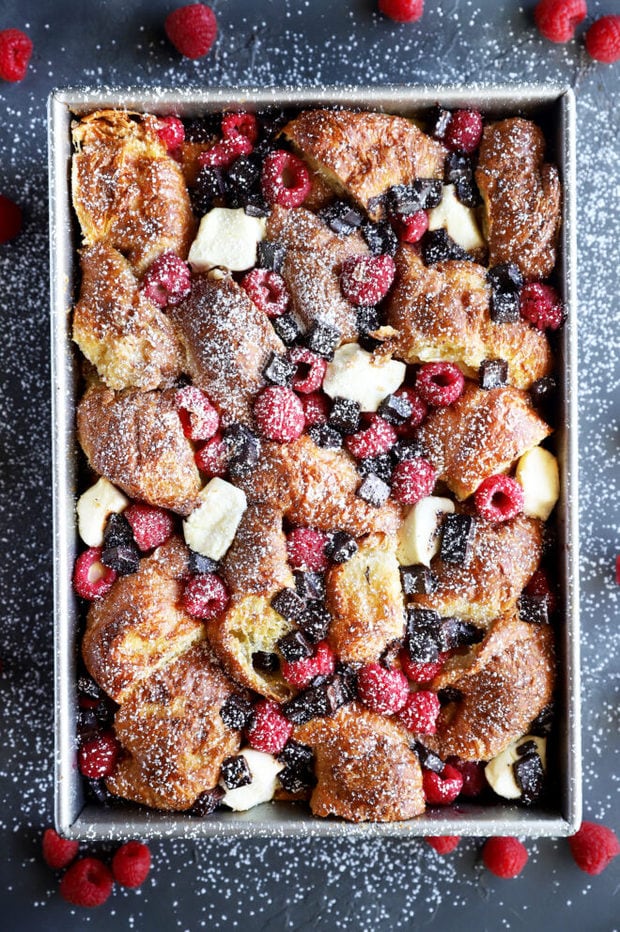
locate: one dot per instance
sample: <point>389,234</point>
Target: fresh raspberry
<point>224,152</point>
<point>88,883</point>
<point>440,383</point>
<point>412,227</point>
<point>504,857</point>
<point>603,39</point>
<point>300,673</point>
<point>541,306</point>
<point>556,19</point>
<point>310,369</point>
<point>316,408</point>
<point>15,52</point>
<point>402,11</point>
<point>212,459</point>
<point>366,279</point>
<point>97,758</point>
<point>192,29</point>
<point>279,414</point>
<point>382,689</point>
<point>419,410</point>
<point>58,852</point>
<point>540,586</point>
<point>419,714</point>
<point>443,844</point>
<point>131,864</point>
<point>205,596</point>
<point>472,771</point>
<point>167,280</point>
<point>151,526</point>
<point>171,132</point>
<point>306,549</point>
<point>91,579</point>
<point>10,219</point>
<point>199,419</point>
<point>267,290</point>
<point>285,179</point>
<point>442,789</point>
<point>269,729</point>
<point>464,131</point>
<point>412,480</point>
<point>420,673</point>
<point>499,498</point>
<point>594,847</point>
<point>378,437</point>
<point>240,124</point>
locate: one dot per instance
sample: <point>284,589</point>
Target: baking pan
<point>554,108</point>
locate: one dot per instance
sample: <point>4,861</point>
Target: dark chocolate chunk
<point>118,532</point>
<point>345,415</point>
<point>295,646</point>
<point>423,634</point>
<point>208,188</point>
<point>304,707</point>
<point>315,621</point>
<point>529,776</point>
<point>98,790</point>
<point>270,255</point>
<point>449,694</point>
<point>242,180</point>
<point>542,724</point>
<point>428,759</point>
<point>493,373</point>
<point>457,537</point>
<point>405,449</point>
<point>235,772</point>
<point>87,725</point>
<point>418,579</point>
<point>288,604</point>
<point>543,394</point>
<point>199,564</point>
<point>390,654</point>
<point>504,307</point>
<point>380,465</point>
<point>207,803</point>
<point>341,547</point>
<point>323,339</point>
<point>296,781</point>
<point>335,692</point>
<point>533,609</point>
<point>380,238</point>
<point>325,436</point>
<point>439,120</point>
<point>309,585</point>
<point>527,747</point>
<point>256,206</point>
<point>243,449</point>
<point>368,343</point>
<point>506,282</point>
<point>287,328</point>
<point>458,633</point>
<point>369,318</point>
<point>374,491</point>
<point>422,194</point>
<point>265,661</point>
<point>124,559</point>
<point>236,711</point>
<point>459,171</point>
<point>341,217</point>
<point>438,246</point>
<point>505,277</point>
<point>296,755</point>
<point>395,409</point>
<point>279,370</point>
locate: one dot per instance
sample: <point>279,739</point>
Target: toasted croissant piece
<point>257,559</point>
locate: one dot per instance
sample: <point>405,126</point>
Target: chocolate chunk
<point>207,803</point>
<point>390,654</point>
<point>405,449</point>
<point>242,179</point>
<point>457,537</point>
<point>542,724</point>
<point>118,532</point>
<point>533,609</point>
<point>505,277</point>
<point>395,409</point>
<point>341,217</point>
<point>529,776</point>
<point>236,712</point>
<point>504,307</point>
<point>296,755</point>
<point>380,465</point>
<point>368,343</point>
<point>287,328</point>
<point>428,759</point>
<point>323,339</point>
<point>418,579</point>
<point>493,373</point>
<point>296,781</point>
<point>242,448</point>
<point>315,621</point>
<point>199,564</point>
<point>422,194</point>
<point>309,585</point>
<point>439,120</point>
<point>270,255</point>
<point>304,707</point>
<point>449,694</point>
<point>506,282</point>
<point>374,491</point>
<point>458,633</point>
<point>527,747</point>
<point>208,188</point>
<point>459,171</point>
<point>423,634</point>
<point>438,246</point>
<point>295,646</point>
<point>124,559</point>
<point>235,772</point>
<point>380,238</point>
<point>257,206</point>
<point>345,415</point>
<point>87,725</point>
<point>288,604</point>
<point>279,370</point>
<point>98,791</point>
<point>334,692</point>
<point>369,318</point>
<point>265,661</point>
<point>325,436</point>
<point>341,547</point>
<point>543,393</point>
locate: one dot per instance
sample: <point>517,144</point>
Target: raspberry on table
<point>15,52</point>
<point>306,549</point>
<point>310,369</point>
<point>131,864</point>
<point>267,290</point>
<point>541,305</point>
<point>279,414</point>
<point>594,847</point>
<point>382,689</point>
<point>88,882</point>
<point>420,673</point>
<point>499,498</point>
<point>378,437</point>
<point>269,729</point>
<point>192,29</point>
<point>212,458</point>
<point>205,596</point>
<point>91,579</point>
<point>603,39</point>
<point>440,383</point>
<point>97,758</point>
<point>199,419</point>
<point>556,19</point>
<point>504,857</point>
<point>402,11</point>
<point>419,714</point>
<point>171,131</point>
<point>10,219</point>
<point>316,408</point>
<point>412,227</point>
<point>412,480</point>
<point>366,279</point>
<point>151,526</point>
<point>441,789</point>
<point>58,852</point>
<point>167,280</point>
<point>443,844</point>
<point>300,673</point>
<point>240,124</point>
<point>285,179</point>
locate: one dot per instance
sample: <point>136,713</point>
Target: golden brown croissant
<point>257,560</point>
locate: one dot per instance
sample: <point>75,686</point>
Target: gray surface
<point>321,883</point>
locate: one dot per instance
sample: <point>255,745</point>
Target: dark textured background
<point>331,884</point>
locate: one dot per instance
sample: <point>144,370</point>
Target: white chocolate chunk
<point>94,507</point>
<point>226,238</point>
<point>460,221</point>
<point>537,472</point>
<point>418,537</point>
<point>359,376</point>
<point>211,527</point>
<point>499,771</point>
<point>264,769</point>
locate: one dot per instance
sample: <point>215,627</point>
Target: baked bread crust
<point>257,561</point>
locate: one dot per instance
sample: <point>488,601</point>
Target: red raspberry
<point>540,586</point>
<point>240,124</point>
<point>171,132</point>
<point>472,771</point>
<point>366,279</point>
<point>440,383</point>
<point>556,19</point>
<point>167,281</point>
<point>419,410</point>
<point>603,39</point>
<point>15,52</point>
<point>464,131</point>
<point>97,758</point>
<point>413,480</point>
<point>267,290</point>
<point>10,219</point>
<point>402,11</point>
<point>300,673</point>
<point>541,305</point>
<point>192,29</point>
<point>58,852</point>
<point>279,414</point>
<point>131,864</point>
<point>316,408</point>
<point>151,526</point>
<point>88,883</point>
<point>310,369</point>
<point>212,459</point>
<point>443,844</point>
<point>205,596</point>
<point>499,498</point>
<point>382,689</point>
<point>225,152</point>
<point>442,789</point>
<point>594,847</point>
<point>269,729</point>
<point>199,419</point>
<point>412,227</point>
<point>306,549</point>
<point>285,179</point>
<point>91,579</point>
<point>378,437</point>
<point>421,673</point>
<point>504,857</point>
<point>419,714</point>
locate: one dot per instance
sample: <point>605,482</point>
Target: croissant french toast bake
<point>319,473</point>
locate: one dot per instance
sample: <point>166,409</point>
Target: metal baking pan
<point>554,108</point>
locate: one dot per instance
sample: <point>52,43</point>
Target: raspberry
<point>443,844</point>
<point>472,771</point>
<point>419,714</point>
<point>420,673</point>
<point>91,579</point>
<point>504,857</point>
<point>97,758</point>
<point>594,847</point>
<point>167,280</point>
<point>440,383</point>
<point>212,459</point>
<point>379,437</point>
<point>603,39</point>
<point>540,586</point>
<point>310,369</point>
<point>192,29</point>
<point>171,132</point>
<point>205,596</point>
<point>240,124</point>
<point>419,410</point>
<point>15,52</point>
<point>58,852</point>
<point>225,152</point>
<point>268,730</point>
<point>402,11</point>
<point>285,179</point>
<point>541,306</point>
<point>151,526</point>
<point>499,498</point>
<point>306,549</point>
<point>300,673</point>
<point>556,19</point>
<point>413,226</point>
<point>199,419</point>
<point>316,408</point>
<point>382,689</point>
<point>88,882</point>
<point>279,413</point>
<point>412,480</point>
<point>267,290</point>
<point>10,219</point>
<point>366,279</point>
<point>442,789</point>
<point>464,131</point>
<point>131,864</point>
